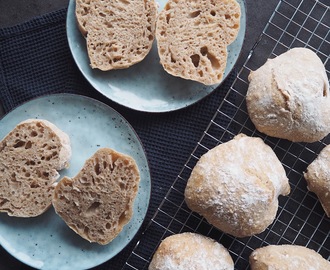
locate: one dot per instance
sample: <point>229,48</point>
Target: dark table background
<point>13,12</point>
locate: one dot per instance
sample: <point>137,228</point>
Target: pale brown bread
<point>288,97</point>
<point>98,202</point>
<point>287,257</point>
<point>192,37</point>
<point>30,157</point>
<point>235,186</point>
<point>119,33</point>
<point>191,251</point>
<point>317,176</point>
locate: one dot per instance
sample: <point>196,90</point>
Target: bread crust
<point>119,34</point>
<point>98,202</point>
<point>30,157</point>
<point>288,97</point>
<point>191,251</point>
<point>287,257</point>
<point>317,176</point>
<point>192,38</point>
<point>235,186</point>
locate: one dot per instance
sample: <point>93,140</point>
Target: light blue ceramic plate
<point>46,242</point>
<point>146,86</point>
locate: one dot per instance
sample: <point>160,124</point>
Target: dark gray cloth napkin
<point>35,60</point>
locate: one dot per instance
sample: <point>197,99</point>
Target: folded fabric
<point>35,60</point>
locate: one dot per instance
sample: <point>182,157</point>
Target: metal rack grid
<point>300,219</point>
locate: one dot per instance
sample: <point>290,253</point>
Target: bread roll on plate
<point>30,157</point>
<point>235,186</point>
<point>119,34</point>
<point>288,97</point>
<point>98,202</point>
<point>192,38</point>
<point>191,251</point>
<point>287,257</point>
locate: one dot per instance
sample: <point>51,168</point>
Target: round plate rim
<point>20,257</point>
<point>137,107</point>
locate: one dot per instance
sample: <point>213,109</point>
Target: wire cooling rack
<point>300,219</point>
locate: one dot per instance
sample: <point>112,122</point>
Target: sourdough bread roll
<point>235,186</point>
<point>287,257</point>
<point>192,38</point>
<point>288,97</point>
<point>191,251</point>
<point>98,202</point>
<point>119,34</point>
<point>317,176</point>
<point>30,157</point>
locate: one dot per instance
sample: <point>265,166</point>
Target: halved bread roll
<point>119,33</point>
<point>192,37</point>
<point>30,157</point>
<point>98,202</point>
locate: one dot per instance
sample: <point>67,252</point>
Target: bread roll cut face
<point>235,186</point>
<point>191,251</point>
<point>119,34</point>
<point>288,97</point>
<point>192,38</point>
<point>30,157</point>
<point>98,202</point>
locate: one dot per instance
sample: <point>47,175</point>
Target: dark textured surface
<point>168,138</point>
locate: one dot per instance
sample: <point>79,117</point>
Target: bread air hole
<point>172,59</point>
<point>93,208</point>
<point>214,62</point>
<point>194,14</point>
<point>117,59</point>
<point>204,50</point>
<point>122,186</point>
<point>19,143</point>
<point>97,168</point>
<point>195,59</point>
<point>30,163</point>
<point>168,17</point>
<point>86,231</point>
<point>212,12</point>
<point>125,2</point>
<point>28,145</point>
<point>34,185</point>
<point>122,219</point>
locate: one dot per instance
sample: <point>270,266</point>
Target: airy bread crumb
<point>192,37</point>
<point>98,202</point>
<point>30,156</point>
<point>119,33</point>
